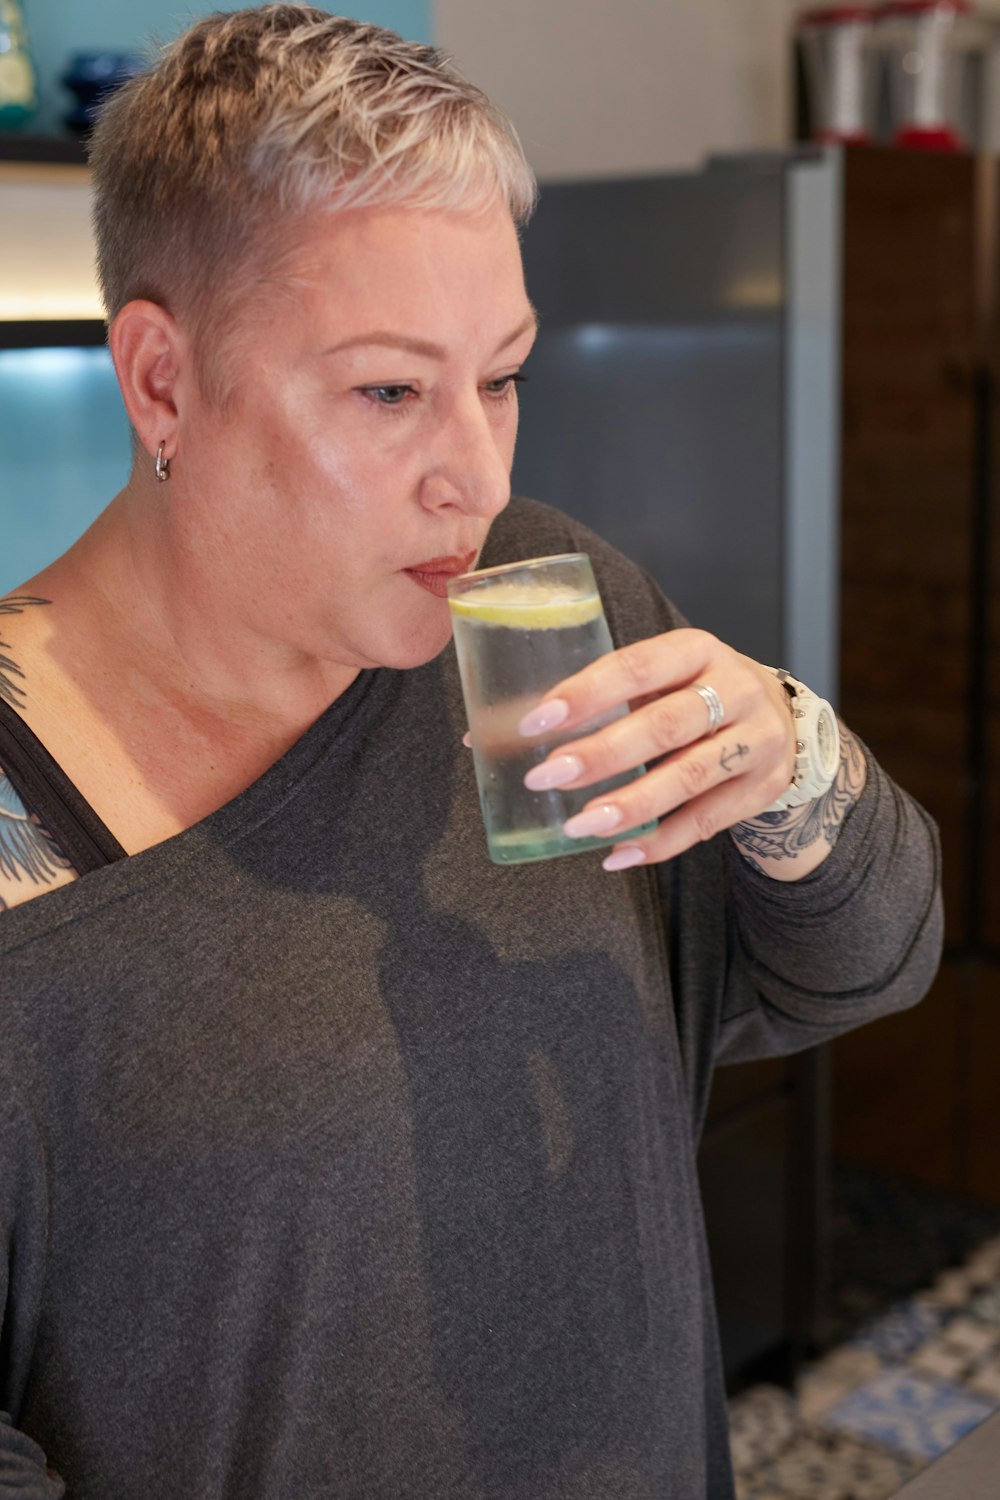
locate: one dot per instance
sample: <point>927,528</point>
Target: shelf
<point>46,246</point>
<point>51,333</point>
<point>59,150</point>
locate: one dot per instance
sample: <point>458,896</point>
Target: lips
<point>434,573</point>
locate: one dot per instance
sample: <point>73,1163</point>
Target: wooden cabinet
<point>920,632</point>
<point>908,469</point>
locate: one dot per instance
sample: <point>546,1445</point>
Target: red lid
<point>928,138</point>
<point>921,7</point>
<point>836,15</point>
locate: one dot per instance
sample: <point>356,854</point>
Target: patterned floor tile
<point>909,1413</point>
<point>977,1339</point>
<point>985,1382</point>
<point>983,1265</point>
<point>836,1466</point>
<point>824,1383</point>
<point>752,1487</point>
<point>941,1360</point>
<point>762,1421</point>
<point>891,1238</point>
<point>951,1289</point>
<point>964,1346</point>
<point>914,1376</point>
<point>985,1306</point>
<point>900,1330</point>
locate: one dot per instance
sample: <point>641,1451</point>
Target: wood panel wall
<point>916,1093</point>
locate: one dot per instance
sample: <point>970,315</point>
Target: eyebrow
<point>383,338</point>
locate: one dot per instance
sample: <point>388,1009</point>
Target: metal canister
<point>929,47</point>
<point>836,45</point>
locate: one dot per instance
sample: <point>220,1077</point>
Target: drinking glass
<point>519,630</point>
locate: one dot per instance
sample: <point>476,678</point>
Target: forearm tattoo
<point>29,855</point>
<point>784,835</point>
<point>9,668</point>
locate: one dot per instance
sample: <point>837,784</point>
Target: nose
<point>470,467</point>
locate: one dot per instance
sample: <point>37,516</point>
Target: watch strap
<point>813,717</point>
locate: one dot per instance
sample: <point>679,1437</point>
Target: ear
<point>151,358</point>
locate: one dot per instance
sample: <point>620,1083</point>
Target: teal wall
<point>57,28</point>
<point>64,452</point>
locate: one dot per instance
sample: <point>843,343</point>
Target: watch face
<point>827,741</point>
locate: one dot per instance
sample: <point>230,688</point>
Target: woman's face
<point>370,430</point>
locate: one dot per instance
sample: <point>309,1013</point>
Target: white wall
<point>619,86</point>
<point>603,87</point>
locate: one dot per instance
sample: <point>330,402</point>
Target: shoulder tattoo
<point>30,857</point>
<point>28,852</point>
<point>9,669</point>
<point>784,835</point>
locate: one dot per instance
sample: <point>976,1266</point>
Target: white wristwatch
<point>817,744</point>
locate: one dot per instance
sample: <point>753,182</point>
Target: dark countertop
<point>968,1471</point>
<point>19,146</point>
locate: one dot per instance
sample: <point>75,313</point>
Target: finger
<point>646,735</point>
<point>653,666</point>
<point>698,821</point>
<point>467,739</point>
<point>685,779</point>
<point>693,823</point>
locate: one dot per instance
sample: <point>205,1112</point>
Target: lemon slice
<point>522,609</point>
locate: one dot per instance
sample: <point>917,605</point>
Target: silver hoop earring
<point>162,464</point>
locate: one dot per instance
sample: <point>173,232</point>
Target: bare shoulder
<point>31,861</point>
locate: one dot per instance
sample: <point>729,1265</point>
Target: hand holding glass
<point>520,629</point>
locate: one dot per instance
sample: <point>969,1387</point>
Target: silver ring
<point>712,701</point>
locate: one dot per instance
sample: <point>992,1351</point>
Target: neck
<point>143,604</point>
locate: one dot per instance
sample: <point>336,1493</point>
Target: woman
<point>339,1161</point>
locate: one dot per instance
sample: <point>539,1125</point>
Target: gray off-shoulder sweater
<point>337,1163</point>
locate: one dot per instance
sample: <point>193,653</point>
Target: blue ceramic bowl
<point>92,76</point>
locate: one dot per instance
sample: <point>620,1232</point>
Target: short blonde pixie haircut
<point>255,118</point>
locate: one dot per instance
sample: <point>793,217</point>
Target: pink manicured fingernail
<point>547,715</point>
<point>594,822</point>
<point>624,858</point>
<point>558,771</point>
<point>467,739</point>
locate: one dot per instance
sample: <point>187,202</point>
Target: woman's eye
<point>505,385</point>
<point>388,395</point>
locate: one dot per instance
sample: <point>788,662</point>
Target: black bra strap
<point>48,792</point>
